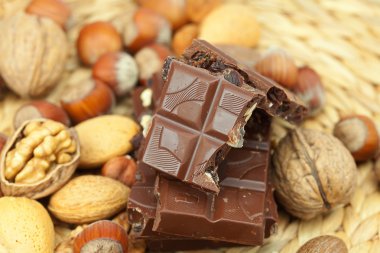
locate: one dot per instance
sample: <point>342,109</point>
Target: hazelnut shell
<point>359,134</point>
<point>53,9</point>
<point>122,168</point>
<point>184,37</point>
<point>97,100</point>
<point>96,39</point>
<point>53,180</point>
<point>99,230</point>
<point>40,109</point>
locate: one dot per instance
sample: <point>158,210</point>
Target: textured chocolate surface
<point>199,118</point>
<point>238,214</point>
<point>279,101</point>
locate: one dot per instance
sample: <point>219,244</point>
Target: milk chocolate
<point>238,214</point>
<point>200,117</point>
<point>279,101</point>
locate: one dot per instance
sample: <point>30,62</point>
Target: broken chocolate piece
<point>240,213</point>
<point>200,117</point>
<point>279,101</point>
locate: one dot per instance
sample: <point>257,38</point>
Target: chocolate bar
<point>237,214</point>
<point>245,203</point>
<point>200,117</point>
<point>278,102</point>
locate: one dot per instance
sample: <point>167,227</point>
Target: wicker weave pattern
<point>340,39</point>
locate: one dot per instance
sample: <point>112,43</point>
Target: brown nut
<point>38,159</point>
<point>172,10</point>
<point>150,60</point>
<point>103,237</point>
<point>183,38</point>
<point>33,54</point>
<point>279,66</point>
<point>359,134</point>
<point>313,172</point>
<point>144,28</point>
<point>88,198</point>
<point>122,168</point>
<point>53,9</point>
<point>117,70</point>
<point>310,90</point>
<point>196,10</point>
<point>96,39</point>
<point>91,99</point>
<point>324,244</point>
<point>40,109</point>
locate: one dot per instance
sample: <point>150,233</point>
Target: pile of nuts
<point>55,143</point>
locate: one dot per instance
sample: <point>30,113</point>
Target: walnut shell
<point>53,180</point>
<point>33,54</point>
<point>313,172</point>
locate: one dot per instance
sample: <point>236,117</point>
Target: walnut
<point>40,157</point>
<point>313,173</point>
<point>33,53</point>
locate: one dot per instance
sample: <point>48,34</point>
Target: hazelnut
<point>310,90</point>
<point>33,54</point>
<point>279,66</point>
<point>90,99</point>
<point>118,70</point>
<point>102,237</point>
<point>53,9</point>
<point>225,23</point>
<point>146,27</point>
<point>324,244</point>
<point>172,10</point>
<point>150,60</point>
<point>359,134</point>
<point>122,168</point>
<point>196,10</point>
<point>313,173</point>
<point>40,109</point>
<point>96,39</point>
<point>183,38</point>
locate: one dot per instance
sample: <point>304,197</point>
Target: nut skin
<point>96,39</point>
<point>118,70</point>
<point>146,27</point>
<point>102,234</point>
<point>313,172</point>
<point>173,10</point>
<point>122,168</point>
<point>53,9</point>
<point>196,10</point>
<point>279,66</point>
<point>359,134</point>
<point>183,38</point>
<point>150,60</point>
<point>310,90</point>
<point>324,244</point>
<point>40,109</point>
<point>88,105</point>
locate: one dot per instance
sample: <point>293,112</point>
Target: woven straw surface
<point>340,39</point>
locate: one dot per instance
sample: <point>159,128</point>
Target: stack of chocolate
<point>203,164</point>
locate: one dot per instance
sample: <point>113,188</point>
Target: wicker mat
<point>340,39</point>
